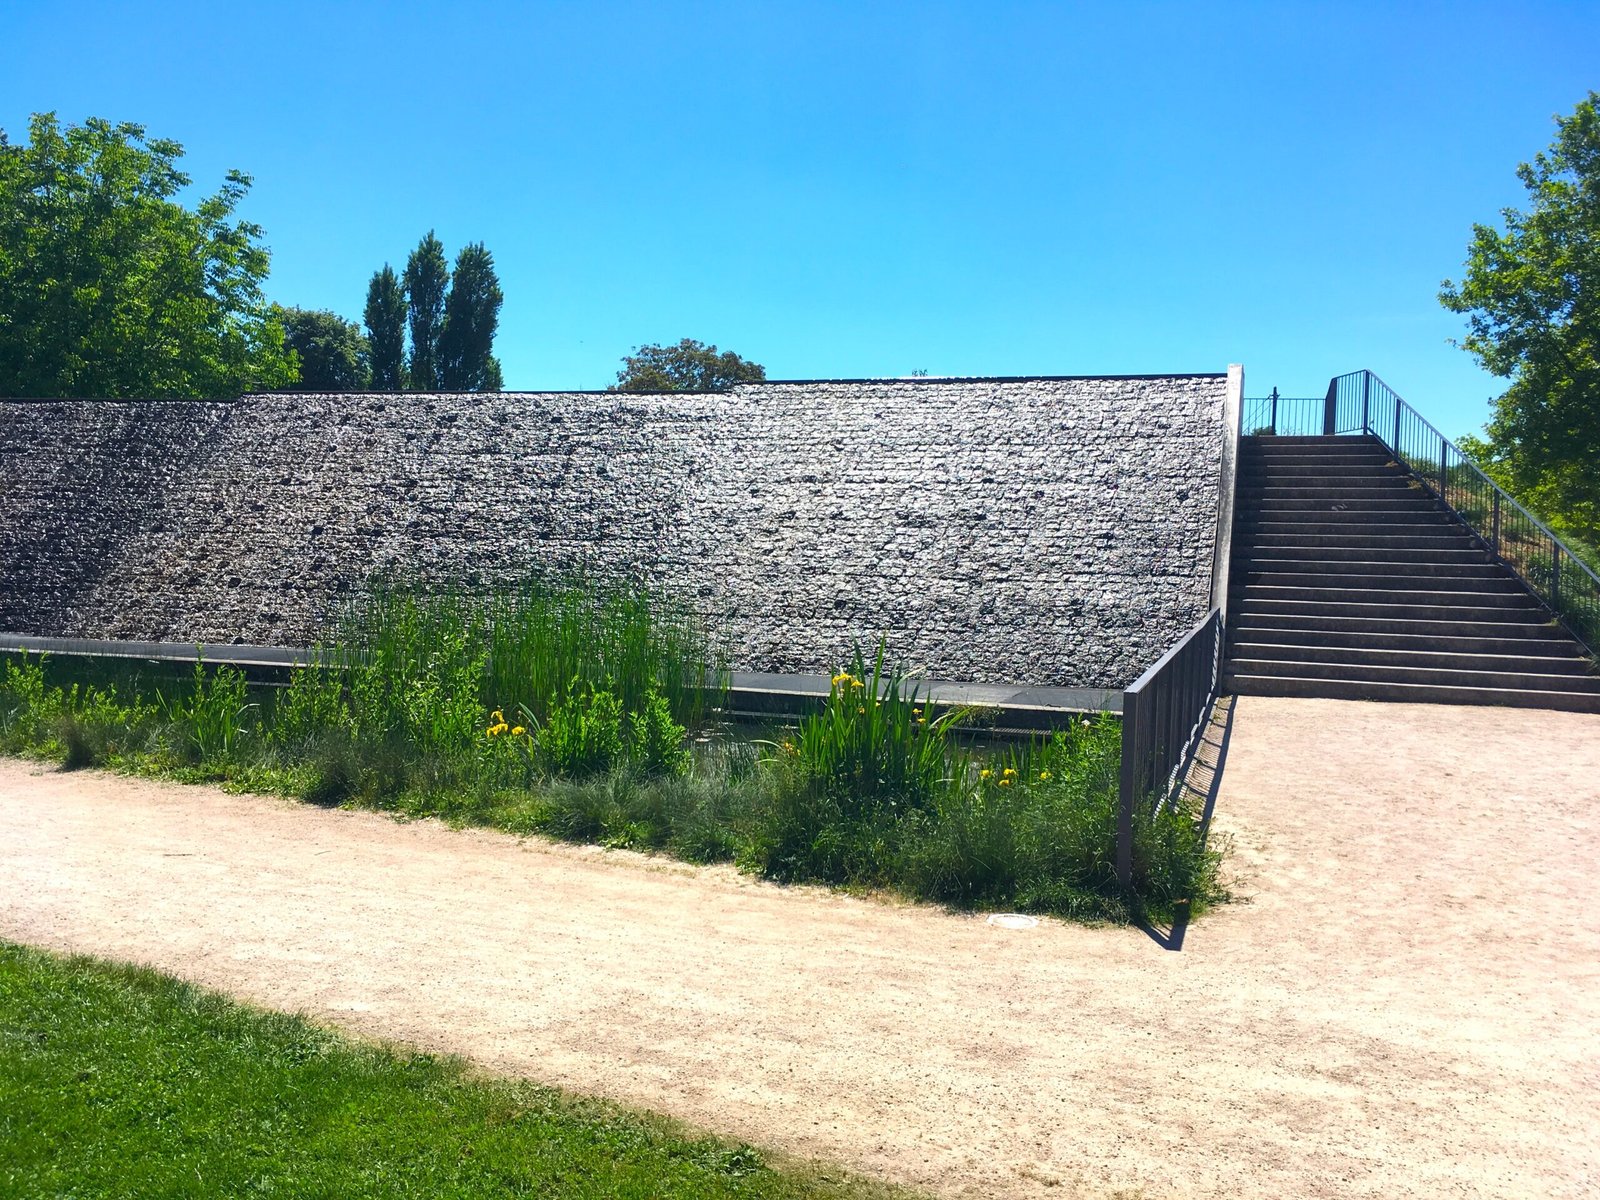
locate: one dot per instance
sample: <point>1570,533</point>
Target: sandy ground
<point>1408,1006</point>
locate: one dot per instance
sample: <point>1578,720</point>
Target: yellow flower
<point>1009,771</point>
<point>984,774</point>
<point>841,677</point>
<point>856,683</point>
<point>861,710</point>
<point>499,717</point>
<point>1005,783</point>
<point>519,731</point>
<point>1044,774</point>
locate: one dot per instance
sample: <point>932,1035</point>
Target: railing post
<point>1274,399</point>
<point>1129,785</point>
<point>1366,398</point>
<point>1555,573</point>
<point>1494,541</point>
<point>1395,445</point>
<point>1444,449</point>
<point>1330,407</point>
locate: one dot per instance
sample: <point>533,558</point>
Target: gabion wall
<point>1044,531</point>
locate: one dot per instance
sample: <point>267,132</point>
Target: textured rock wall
<point>1050,531</point>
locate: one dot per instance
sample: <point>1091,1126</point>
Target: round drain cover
<point>1012,921</point>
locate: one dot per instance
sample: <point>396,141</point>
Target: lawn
<point>120,1081</point>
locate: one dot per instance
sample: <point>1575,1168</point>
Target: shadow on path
<point>1202,783</point>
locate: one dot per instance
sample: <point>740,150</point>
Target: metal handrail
<point>1360,402</point>
<point>1164,716</point>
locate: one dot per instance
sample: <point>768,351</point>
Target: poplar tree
<point>466,361</point>
<point>427,275</point>
<point>386,330</point>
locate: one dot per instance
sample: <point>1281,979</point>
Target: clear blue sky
<point>867,189</point>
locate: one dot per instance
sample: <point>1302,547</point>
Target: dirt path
<point>1410,1006</point>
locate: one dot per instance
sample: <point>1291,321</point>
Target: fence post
<point>1274,399</point>
<point>1129,785</point>
<point>1330,407</point>
<point>1395,445</point>
<point>1366,398</point>
<point>1555,573</point>
<point>1494,543</point>
<point>1444,449</point>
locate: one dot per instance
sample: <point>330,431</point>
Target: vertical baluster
<point>1494,541</point>
<point>1366,398</point>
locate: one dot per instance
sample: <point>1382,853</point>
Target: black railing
<point>1164,716</point>
<point>1286,415</point>
<point>1361,402</point>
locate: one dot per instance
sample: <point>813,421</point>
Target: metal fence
<point>1286,415</point>
<point>1361,402</point>
<point>1164,716</point>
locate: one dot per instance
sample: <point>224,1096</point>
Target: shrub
<point>208,726</point>
<point>583,734</point>
<point>655,740</point>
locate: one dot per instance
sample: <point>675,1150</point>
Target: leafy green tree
<point>690,366</point>
<point>111,287</point>
<point>385,316</point>
<point>471,314</point>
<point>1532,297</point>
<point>426,277</point>
<point>333,354</point>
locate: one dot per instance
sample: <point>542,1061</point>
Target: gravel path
<point>1409,1005</point>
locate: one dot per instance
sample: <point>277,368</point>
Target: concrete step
<point>1417,539</point>
<point>1295,477</point>
<point>1432,675</point>
<point>1331,485</point>
<point>1339,597</point>
<point>1375,518</point>
<point>1353,504</point>
<point>1360,656</point>
<point>1536,641</point>
<point>1317,550</point>
<point>1377,581</point>
<point>1422,524</point>
<point>1244,684</point>
<point>1275,617</point>
<point>1250,565</point>
<point>1309,443</point>
<point>1479,613</point>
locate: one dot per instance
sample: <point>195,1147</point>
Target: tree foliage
<point>385,316</point>
<point>427,275</point>
<point>1532,297</point>
<point>111,287</point>
<point>471,314</point>
<point>333,354</point>
<point>690,366</point>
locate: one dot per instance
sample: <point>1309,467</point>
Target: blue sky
<point>868,189</point>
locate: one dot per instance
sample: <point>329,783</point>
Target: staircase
<point>1349,580</point>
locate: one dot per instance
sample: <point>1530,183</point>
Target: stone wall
<point>1045,531</point>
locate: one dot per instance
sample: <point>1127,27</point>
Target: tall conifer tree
<point>466,360</point>
<point>427,275</point>
<point>386,330</point>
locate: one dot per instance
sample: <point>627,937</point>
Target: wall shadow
<point>1202,782</point>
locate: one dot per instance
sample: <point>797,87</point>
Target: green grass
<point>121,1082</point>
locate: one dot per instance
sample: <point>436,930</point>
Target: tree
<point>385,316</point>
<point>690,366</point>
<point>1532,295</point>
<point>333,354</point>
<point>427,275</point>
<point>111,287</point>
<point>471,314</point>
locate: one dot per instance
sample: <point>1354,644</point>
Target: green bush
<point>655,740</point>
<point>583,734</point>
